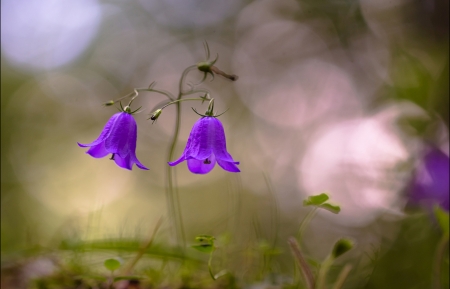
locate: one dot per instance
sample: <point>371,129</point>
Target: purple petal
<point>105,132</point>
<point>430,184</point>
<point>123,162</point>
<point>123,135</point>
<point>220,144</point>
<point>181,159</point>
<point>229,166</point>
<point>200,139</point>
<point>201,166</point>
<point>139,165</point>
<point>98,151</point>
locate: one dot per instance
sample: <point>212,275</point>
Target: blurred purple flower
<point>119,139</point>
<point>430,184</point>
<point>205,146</point>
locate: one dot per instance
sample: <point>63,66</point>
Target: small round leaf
<point>112,264</point>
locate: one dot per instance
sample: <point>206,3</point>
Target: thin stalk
<point>305,222</point>
<point>322,277</point>
<point>209,265</point>
<point>171,194</point>
<point>342,276</point>
<point>181,100</point>
<point>304,267</point>
<point>218,275</point>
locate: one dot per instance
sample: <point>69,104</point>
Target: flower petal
<point>200,140</point>
<point>174,163</point>
<point>219,146</point>
<point>201,166</point>
<point>123,135</point>
<point>139,165</point>
<point>105,132</point>
<point>123,162</point>
<point>98,151</point>
<point>229,166</point>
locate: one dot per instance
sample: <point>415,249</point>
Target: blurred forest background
<point>340,96</point>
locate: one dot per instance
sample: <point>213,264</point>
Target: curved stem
<point>305,222</point>
<point>209,265</point>
<point>172,195</point>
<point>180,100</point>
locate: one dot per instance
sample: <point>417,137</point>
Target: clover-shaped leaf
<point>316,200</point>
<point>329,207</point>
<point>205,248</point>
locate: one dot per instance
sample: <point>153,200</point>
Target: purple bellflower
<point>206,146</point>
<point>119,139</point>
<point>430,183</point>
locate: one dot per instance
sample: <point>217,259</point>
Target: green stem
<point>322,277</point>
<point>209,265</point>
<point>171,194</point>
<point>181,100</point>
<point>342,276</point>
<point>305,223</point>
<point>218,275</point>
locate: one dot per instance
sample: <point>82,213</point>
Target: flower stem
<point>180,100</point>
<point>171,194</point>
<point>305,223</point>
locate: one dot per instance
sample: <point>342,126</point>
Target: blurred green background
<point>333,96</point>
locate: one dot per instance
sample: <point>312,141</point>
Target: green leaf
<point>443,219</point>
<point>205,248</point>
<point>316,200</point>
<point>205,239</point>
<point>329,207</point>
<point>112,264</point>
<point>341,247</point>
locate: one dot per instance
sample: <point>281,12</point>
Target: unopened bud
<point>109,103</point>
<point>156,114</point>
<point>204,66</point>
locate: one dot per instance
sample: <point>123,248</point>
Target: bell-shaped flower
<point>119,139</point>
<point>206,146</point>
<point>430,183</point>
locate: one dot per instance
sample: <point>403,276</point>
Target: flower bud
<point>109,103</point>
<point>156,114</point>
<point>204,66</point>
